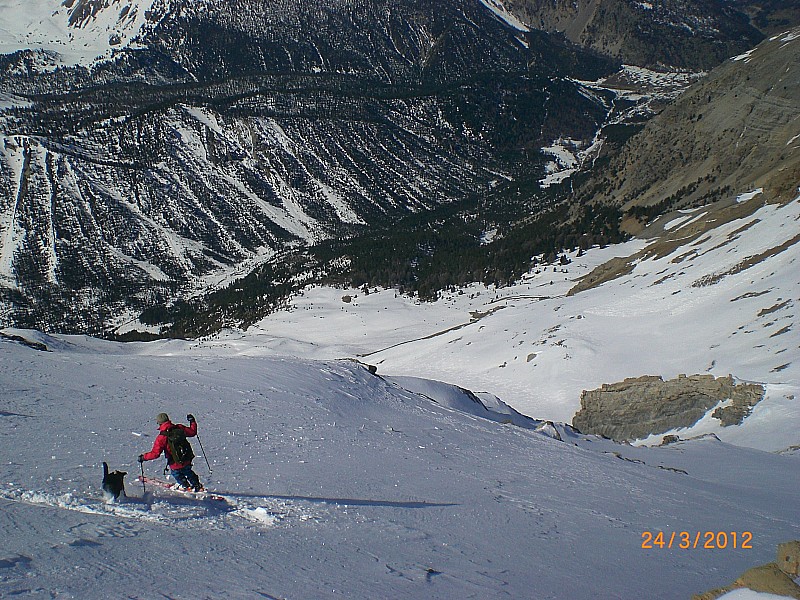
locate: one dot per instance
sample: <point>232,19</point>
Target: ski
<point>173,487</point>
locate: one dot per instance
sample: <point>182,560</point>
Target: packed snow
<point>337,483</point>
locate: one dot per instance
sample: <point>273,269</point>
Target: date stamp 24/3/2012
<point>706,540</point>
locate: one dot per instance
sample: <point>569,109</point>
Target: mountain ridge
<point>670,33</point>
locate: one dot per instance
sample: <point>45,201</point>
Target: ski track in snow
<point>171,509</point>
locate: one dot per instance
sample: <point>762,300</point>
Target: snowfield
<point>77,32</point>
<point>341,484</point>
<point>723,301</point>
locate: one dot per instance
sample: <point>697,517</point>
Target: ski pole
<point>144,488</point>
<point>210,470</point>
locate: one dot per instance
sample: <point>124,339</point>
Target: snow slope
<point>78,30</point>
<point>340,484</point>
<point>504,14</point>
<point>720,302</point>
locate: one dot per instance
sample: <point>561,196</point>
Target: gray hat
<point>162,418</point>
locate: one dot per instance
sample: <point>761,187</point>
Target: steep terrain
<point>340,484</point>
<point>736,131</point>
<point>720,300</point>
<point>192,142</point>
<point>231,132</point>
<point>72,31</point>
<point>733,136</point>
<point>691,34</point>
<point>184,161</point>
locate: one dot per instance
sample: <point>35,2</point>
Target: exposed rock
<point>641,406</point>
<point>772,578</point>
<point>666,242</point>
<point>670,439</point>
<point>731,133</point>
<point>614,268</point>
<point>24,341</point>
<point>689,35</point>
<point>549,429</point>
<point>789,558</point>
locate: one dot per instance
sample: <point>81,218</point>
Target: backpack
<point>179,448</point>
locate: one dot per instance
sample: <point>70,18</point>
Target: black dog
<point>113,484</point>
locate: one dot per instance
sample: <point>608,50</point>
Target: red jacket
<point>160,445</point>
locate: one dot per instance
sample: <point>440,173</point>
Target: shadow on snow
<point>356,501</point>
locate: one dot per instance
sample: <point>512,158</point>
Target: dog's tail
<point>105,469</point>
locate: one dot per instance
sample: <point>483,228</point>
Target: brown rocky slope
<point>690,34</point>
<point>731,133</point>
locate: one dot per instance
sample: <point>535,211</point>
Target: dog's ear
<point>122,473</point>
<point>105,469</point>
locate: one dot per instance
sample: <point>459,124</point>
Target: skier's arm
<point>158,448</point>
<point>191,430</point>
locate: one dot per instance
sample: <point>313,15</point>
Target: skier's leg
<point>180,476</point>
<point>194,480</point>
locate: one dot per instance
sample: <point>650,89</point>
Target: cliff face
<point>731,133</point>
<point>642,406</point>
<point>680,33</point>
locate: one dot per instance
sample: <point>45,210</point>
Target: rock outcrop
<point>772,578</point>
<point>683,34</point>
<point>641,406</point>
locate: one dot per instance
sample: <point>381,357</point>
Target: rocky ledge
<point>641,406</point>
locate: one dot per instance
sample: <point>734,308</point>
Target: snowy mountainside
<point>78,31</point>
<point>714,292</point>
<point>338,484</point>
<point>233,132</point>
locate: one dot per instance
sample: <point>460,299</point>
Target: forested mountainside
<point>287,142</point>
<point>238,130</point>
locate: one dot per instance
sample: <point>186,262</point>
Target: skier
<point>181,469</point>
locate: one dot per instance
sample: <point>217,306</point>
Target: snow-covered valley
<point>717,294</point>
